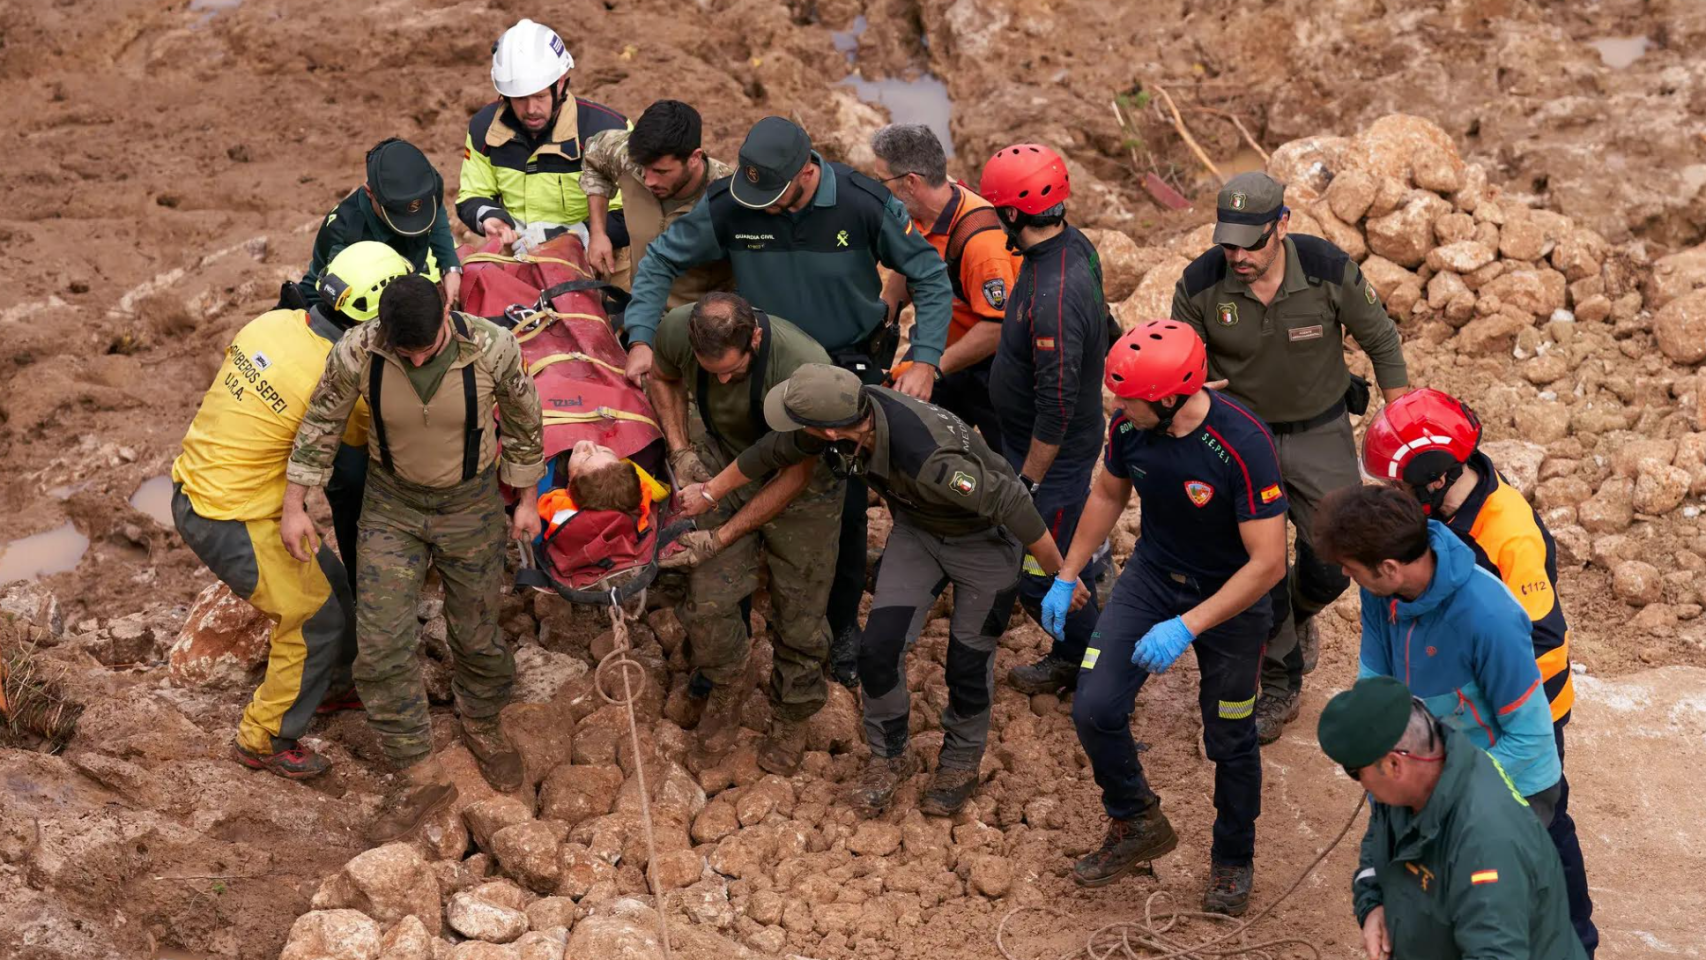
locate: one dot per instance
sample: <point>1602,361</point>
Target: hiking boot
<point>423,790</point>
<point>1309,644</point>
<point>949,790</point>
<point>295,762</point>
<point>1128,843</point>
<point>1273,713</point>
<point>499,761</point>
<point>1051,674</point>
<point>784,747</point>
<point>1228,890</point>
<point>881,777</point>
<point>844,658</point>
<point>339,702</point>
<point>719,725</point>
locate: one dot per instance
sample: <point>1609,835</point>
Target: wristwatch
<point>1029,484</point>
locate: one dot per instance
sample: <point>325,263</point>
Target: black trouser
<point>1563,832</point>
<point>1228,659</point>
<point>1060,499</point>
<point>343,495</point>
<point>965,394</point>
<point>849,583</point>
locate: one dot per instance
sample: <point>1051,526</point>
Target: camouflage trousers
<point>799,545</point>
<point>460,532</point>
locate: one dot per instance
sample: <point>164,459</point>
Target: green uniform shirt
<point>1473,874</point>
<point>429,375</point>
<point>730,404</point>
<point>1286,360</point>
<point>818,265</point>
<point>935,472</point>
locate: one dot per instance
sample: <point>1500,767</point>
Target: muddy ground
<point>167,162</point>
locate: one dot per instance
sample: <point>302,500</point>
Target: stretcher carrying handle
<point>532,574</point>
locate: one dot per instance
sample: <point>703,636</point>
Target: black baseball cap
<point>776,150</point>
<point>408,190</point>
<point>1245,207</point>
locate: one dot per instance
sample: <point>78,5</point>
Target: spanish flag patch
<point>1270,494</point>
<point>1484,876</point>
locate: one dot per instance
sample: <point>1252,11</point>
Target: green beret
<point>1364,723</point>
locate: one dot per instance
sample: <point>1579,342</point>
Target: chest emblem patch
<point>1199,492</point>
<point>1226,313</point>
<point>963,483</point>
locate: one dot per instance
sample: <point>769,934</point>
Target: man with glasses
<point>1274,309</point>
<point>1447,628</point>
<point>1452,862</point>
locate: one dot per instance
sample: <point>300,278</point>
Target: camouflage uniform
<point>432,497</point>
<point>798,544</point>
<point>606,169</point>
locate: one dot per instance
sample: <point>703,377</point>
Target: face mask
<point>1433,501</point>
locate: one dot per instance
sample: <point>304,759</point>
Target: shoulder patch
<point>1204,272</point>
<point>963,483</point>
<point>1322,262</point>
<point>995,292</point>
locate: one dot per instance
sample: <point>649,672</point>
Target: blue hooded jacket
<point>1465,647</point>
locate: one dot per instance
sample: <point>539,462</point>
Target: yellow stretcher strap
<point>545,361</point>
<point>525,258</point>
<point>536,324</point>
<point>558,417</point>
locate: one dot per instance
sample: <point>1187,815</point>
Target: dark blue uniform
<point>1195,491</point>
<point>1046,383</point>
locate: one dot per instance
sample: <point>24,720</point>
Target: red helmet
<point>1419,437</point>
<point>1027,176</point>
<point>1156,359</point>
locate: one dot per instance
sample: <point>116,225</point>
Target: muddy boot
<point>499,761</point>
<point>784,747</point>
<point>1273,713</point>
<point>949,790</point>
<point>844,658</point>
<point>1128,843</point>
<point>1309,644</point>
<point>881,778</point>
<point>719,726</point>
<point>422,790</point>
<point>1228,889</point>
<point>1048,675</point>
<point>296,761</point>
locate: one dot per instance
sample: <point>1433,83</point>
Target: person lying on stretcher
<point>600,480</point>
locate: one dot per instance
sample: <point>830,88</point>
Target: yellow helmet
<point>352,282</point>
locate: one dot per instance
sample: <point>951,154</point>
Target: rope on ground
<point>1127,937</point>
<point>617,658</point>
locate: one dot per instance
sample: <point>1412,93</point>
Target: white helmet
<point>528,58</point>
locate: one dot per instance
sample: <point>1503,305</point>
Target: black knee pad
<point>968,678</point>
<point>1318,582</point>
<point>881,646</point>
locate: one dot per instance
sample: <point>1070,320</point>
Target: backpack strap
<point>970,224</point>
<point>754,382</point>
<point>375,383</point>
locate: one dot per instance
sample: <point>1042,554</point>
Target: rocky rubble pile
<point>1580,357</point>
<point>752,863</point>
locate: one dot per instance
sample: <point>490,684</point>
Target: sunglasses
<point>1261,241</point>
<point>1416,703</point>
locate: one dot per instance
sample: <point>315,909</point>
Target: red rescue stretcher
<point>557,309</point>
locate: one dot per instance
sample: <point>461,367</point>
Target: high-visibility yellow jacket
<point>513,175</point>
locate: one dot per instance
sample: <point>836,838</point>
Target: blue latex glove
<point>1056,604</point>
<point>1162,645</point>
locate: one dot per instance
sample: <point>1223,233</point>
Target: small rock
<point>1660,488</point>
<point>1463,256</point>
<point>1484,336</point>
<point>745,854</point>
<point>716,821</point>
<point>1611,510</point>
<point>408,940</point>
<point>614,938</point>
<point>1654,618</point>
<point>488,816</point>
<point>332,935</point>
<point>1437,169</point>
<point>1153,298</point>
<point>990,875</point>
<point>541,945</point>
<point>679,868</point>
<point>1680,328</point>
<point>1349,195</point>
<point>1405,235</point>
<point>479,919</point>
<point>1594,309</point>
<point>574,794</point>
<point>1521,239</point>
<point>770,795</point>
<point>548,913</point>
<point>874,838</point>
<point>1518,460</point>
<point>528,852</point>
<point>1637,583</point>
<point>224,642</point>
<point>580,870</point>
<point>1045,704</point>
<point>387,883</point>
<point>1454,227</point>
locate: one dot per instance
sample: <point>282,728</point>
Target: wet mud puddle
<point>921,99</point>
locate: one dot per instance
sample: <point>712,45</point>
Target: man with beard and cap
<point>1273,308</point>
